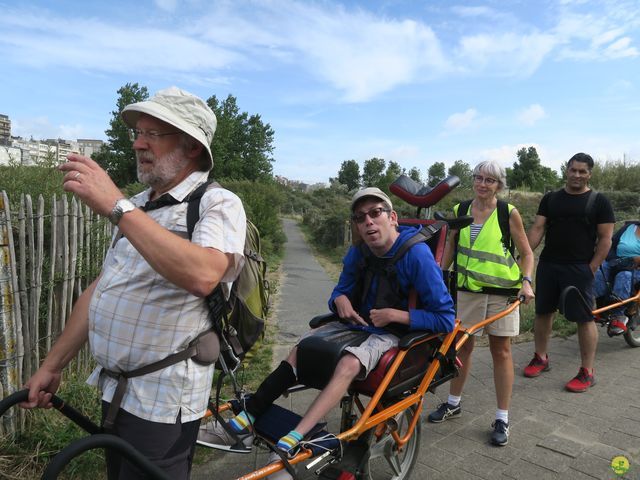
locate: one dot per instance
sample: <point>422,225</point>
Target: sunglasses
<point>373,213</point>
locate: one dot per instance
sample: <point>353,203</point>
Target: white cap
<point>370,192</point>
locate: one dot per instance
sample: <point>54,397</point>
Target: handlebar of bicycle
<point>467,332</point>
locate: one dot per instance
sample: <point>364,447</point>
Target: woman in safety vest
<point>487,275</point>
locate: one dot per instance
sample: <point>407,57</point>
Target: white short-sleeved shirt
<point>137,317</point>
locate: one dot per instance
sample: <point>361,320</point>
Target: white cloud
<point>41,128</point>
<point>461,121</point>
<point>506,155</point>
<point>167,5</point>
<point>354,51</point>
<point>530,115</point>
<point>35,39</point>
<point>509,54</point>
<point>602,35</point>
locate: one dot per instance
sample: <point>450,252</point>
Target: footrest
<point>278,421</point>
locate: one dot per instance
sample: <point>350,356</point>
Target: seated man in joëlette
<point>364,299</point>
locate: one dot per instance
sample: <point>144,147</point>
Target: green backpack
<point>245,313</point>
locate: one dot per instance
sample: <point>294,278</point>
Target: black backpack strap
<point>123,377</point>
<point>193,209</point>
<point>422,235</point>
<point>463,208</point>
<point>589,207</point>
<point>503,221</point>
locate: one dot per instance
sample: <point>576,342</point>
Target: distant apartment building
<point>10,155</point>
<point>89,147</point>
<point>5,130</point>
<point>32,152</point>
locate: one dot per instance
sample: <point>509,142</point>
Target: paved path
<point>554,433</point>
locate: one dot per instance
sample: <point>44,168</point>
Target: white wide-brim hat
<point>181,109</point>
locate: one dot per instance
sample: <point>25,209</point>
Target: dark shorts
<point>169,446</point>
<point>553,278</point>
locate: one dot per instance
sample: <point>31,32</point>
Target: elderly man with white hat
<point>149,300</point>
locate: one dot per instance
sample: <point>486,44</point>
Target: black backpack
<point>589,209</point>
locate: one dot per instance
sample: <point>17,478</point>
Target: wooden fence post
<point>10,349</point>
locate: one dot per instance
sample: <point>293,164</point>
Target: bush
<point>262,202</point>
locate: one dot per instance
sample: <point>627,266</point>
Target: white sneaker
<point>212,434</point>
<point>281,474</point>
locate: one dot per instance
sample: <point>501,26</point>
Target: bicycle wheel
<point>632,335</point>
<point>385,462</point>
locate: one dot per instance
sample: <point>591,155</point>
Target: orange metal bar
<point>635,298</point>
<point>466,333</point>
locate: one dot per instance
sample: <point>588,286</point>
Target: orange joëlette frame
<point>368,419</point>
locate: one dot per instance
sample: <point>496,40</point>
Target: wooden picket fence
<point>46,261</point>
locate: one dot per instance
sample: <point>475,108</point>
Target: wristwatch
<point>121,207</point>
<point>527,279</point>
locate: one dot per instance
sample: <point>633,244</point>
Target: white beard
<point>163,170</point>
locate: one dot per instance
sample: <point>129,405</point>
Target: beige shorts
<point>475,307</point>
<point>368,352</point>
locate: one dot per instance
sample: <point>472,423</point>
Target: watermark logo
<point>620,465</point>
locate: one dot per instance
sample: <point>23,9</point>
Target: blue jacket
<point>418,269</point>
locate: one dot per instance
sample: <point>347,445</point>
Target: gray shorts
<point>368,352</point>
<point>475,307</point>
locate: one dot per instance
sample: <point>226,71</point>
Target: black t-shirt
<point>571,235</point>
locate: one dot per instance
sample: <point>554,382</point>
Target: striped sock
<point>241,421</point>
<point>289,441</point>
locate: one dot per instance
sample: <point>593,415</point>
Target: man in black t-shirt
<point>577,225</point>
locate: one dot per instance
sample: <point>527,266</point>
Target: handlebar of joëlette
<point>68,411</point>
<point>97,439</point>
<point>422,196</point>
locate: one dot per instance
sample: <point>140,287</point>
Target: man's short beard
<point>164,169</point>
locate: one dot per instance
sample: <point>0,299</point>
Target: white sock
<point>502,415</point>
<point>453,400</point>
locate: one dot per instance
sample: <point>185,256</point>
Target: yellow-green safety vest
<point>486,266</point>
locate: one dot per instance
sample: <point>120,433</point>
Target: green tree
<point>463,171</point>
<point>414,173</point>
<point>242,146</point>
<point>394,170</point>
<point>349,174</point>
<point>117,156</point>
<point>528,173</point>
<point>372,172</point>
<point>435,173</point>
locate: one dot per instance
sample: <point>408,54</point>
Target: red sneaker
<point>581,382</point>
<point>537,366</point>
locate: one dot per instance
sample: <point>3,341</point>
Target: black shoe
<point>443,412</point>
<point>500,435</point>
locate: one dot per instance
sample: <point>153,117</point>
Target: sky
<point>415,82</point>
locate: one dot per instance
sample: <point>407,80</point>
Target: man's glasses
<point>150,136</point>
<point>373,213</point>
<point>485,180</point>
